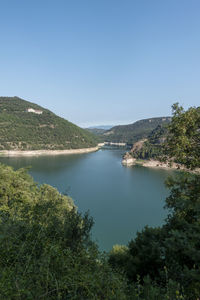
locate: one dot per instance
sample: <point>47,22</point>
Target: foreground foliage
<point>183,141</point>
<point>45,247</point>
<point>172,251</point>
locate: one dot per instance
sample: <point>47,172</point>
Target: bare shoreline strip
<point>156,164</point>
<point>174,166</point>
<point>9,153</point>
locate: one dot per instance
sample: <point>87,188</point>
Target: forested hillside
<point>152,146</point>
<point>133,132</point>
<point>27,126</point>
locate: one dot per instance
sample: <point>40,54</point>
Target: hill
<point>28,126</point>
<point>152,146</point>
<point>99,130</point>
<point>133,132</point>
<point>104,127</point>
<point>96,131</point>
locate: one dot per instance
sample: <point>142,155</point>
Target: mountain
<point>133,132</point>
<point>96,131</point>
<point>99,130</point>
<point>28,126</point>
<point>104,127</point>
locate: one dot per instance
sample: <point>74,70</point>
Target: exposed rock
<point>138,145</point>
<point>128,160</point>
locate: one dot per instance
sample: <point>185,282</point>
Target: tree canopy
<point>45,246</point>
<point>183,141</point>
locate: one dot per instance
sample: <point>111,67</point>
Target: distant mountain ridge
<point>99,130</point>
<point>28,126</point>
<point>105,127</point>
<point>134,132</point>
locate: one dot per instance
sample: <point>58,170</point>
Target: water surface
<point>122,200</point>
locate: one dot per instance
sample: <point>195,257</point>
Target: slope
<point>28,126</point>
<point>133,132</point>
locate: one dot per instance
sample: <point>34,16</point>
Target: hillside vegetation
<point>96,131</point>
<point>133,132</point>
<point>23,130</point>
<point>152,146</point>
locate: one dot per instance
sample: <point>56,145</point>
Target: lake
<point>122,200</point>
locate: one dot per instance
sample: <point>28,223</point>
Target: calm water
<point>121,200</point>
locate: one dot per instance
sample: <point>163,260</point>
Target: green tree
<point>182,244</point>
<point>45,246</point>
<point>183,141</point>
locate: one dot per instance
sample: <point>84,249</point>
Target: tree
<point>183,141</point>
<point>183,224</point>
<point>45,246</point>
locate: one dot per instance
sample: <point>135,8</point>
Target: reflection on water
<point>122,200</point>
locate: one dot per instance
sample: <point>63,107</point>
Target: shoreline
<point>159,165</point>
<point>17,153</point>
<point>156,164</point>
<point>151,164</point>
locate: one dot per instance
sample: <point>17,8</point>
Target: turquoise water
<point>122,200</point>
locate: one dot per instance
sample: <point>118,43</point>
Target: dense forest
<point>46,251</point>
<point>23,129</point>
<point>133,132</point>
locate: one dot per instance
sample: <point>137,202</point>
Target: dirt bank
<point>9,153</point>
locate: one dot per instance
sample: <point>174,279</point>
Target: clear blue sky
<point>101,61</point>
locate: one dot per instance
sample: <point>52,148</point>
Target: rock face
<point>128,160</point>
<point>138,145</point>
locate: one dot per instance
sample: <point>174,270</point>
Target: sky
<point>98,62</point>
